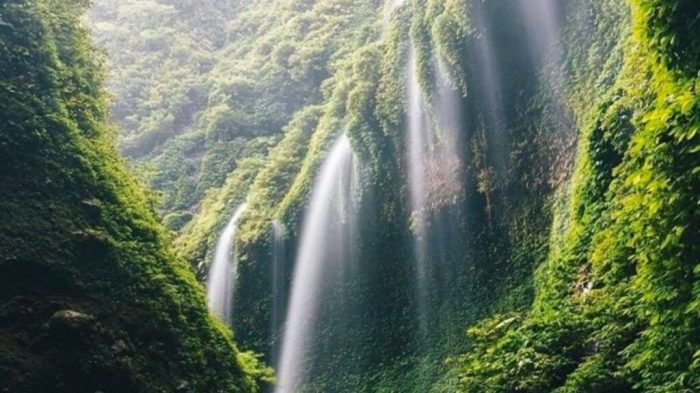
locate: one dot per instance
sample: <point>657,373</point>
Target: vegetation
<point>225,86</point>
<point>616,305</point>
<point>90,297</point>
<point>564,238</point>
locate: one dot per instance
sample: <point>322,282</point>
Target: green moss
<point>91,298</point>
<point>200,86</point>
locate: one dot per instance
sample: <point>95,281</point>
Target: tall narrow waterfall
<point>222,273</point>
<point>544,36</point>
<point>541,22</point>
<point>434,175</point>
<point>324,252</point>
<point>417,182</point>
<point>492,119</point>
<point>544,32</point>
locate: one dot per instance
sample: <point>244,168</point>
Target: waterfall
<point>222,273</point>
<point>417,183</point>
<point>493,129</point>
<point>324,251</point>
<point>544,35</point>
<point>544,39</point>
<point>389,7</point>
<point>434,175</point>
<point>543,29</point>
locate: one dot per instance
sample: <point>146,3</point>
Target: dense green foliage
<point>90,298</point>
<point>673,32</point>
<point>569,249</point>
<point>489,271</point>
<point>228,78</point>
<point>616,306</point>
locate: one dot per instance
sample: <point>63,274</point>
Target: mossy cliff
<point>91,299</point>
<point>617,301</point>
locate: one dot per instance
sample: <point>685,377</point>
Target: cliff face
<point>586,174</point>
<point>525,169</point>
<point>90,298</point>
<point>616,302</point>
<point>522,100</point>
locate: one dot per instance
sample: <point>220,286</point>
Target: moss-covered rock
<point>616,304</point>
<point>91,297</point>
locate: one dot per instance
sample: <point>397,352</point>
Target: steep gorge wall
<point>497,245</point>
<point>545,157</point>
<point>616,304</point>
<point>90,297</point>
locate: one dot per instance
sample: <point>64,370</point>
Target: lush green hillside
<point>617,301</point>
<point>291,76</point>
<point>560,231</point>
<point>90,297</point>
<point>202,92</point>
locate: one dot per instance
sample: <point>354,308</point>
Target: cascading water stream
<point>324,251</point>
<point>417,184</point>
<point>389,7</point>
<point>544,33</point>
<point>544,38</point>
<point>222,273</point>
<point>434,173</point>
<point>487,64</point>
